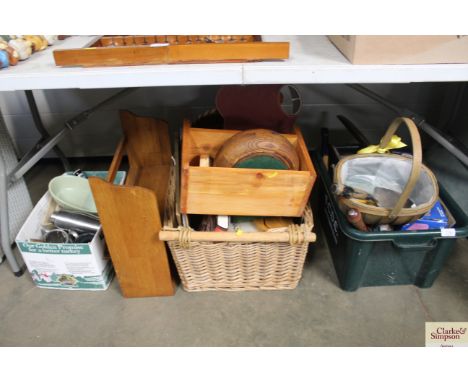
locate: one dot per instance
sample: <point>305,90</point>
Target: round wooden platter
<point>258,148</point>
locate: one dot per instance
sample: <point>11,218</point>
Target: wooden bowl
<point>258,148</point>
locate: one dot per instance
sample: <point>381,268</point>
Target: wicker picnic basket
<point>232,262</point>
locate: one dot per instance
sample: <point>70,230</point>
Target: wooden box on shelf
<point>241,191</point>
<point>171,49</point>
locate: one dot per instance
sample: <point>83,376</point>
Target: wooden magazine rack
<point>131,214</point>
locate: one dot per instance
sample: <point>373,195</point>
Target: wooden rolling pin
<point>274,237</point>
<point>355,218</point>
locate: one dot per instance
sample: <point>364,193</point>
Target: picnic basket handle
<point>416,160</point>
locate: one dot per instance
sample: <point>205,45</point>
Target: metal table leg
<point>456,148</point>
<point>49,142</point>
<point>40,127</point>
<point>4,221</point>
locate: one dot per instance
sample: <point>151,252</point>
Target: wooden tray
<point>171,49</point>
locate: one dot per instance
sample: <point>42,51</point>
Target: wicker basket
<point>410,174</point>
<point>237,264</point>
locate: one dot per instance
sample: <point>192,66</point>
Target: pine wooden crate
<point>241,191</point>
<point>171,49</point>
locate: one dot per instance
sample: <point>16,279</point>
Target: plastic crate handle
<point>431,244</point>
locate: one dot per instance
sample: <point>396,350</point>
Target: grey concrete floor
<point>316,313</point>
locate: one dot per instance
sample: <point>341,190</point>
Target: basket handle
<point>273,237</point>
<point>416,160</point>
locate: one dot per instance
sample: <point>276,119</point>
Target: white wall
<point>99,135</point>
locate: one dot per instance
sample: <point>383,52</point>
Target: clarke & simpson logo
<point>446,334</point>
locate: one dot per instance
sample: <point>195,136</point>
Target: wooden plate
<point>258,148</point>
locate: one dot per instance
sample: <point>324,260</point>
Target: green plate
<point>262,162</point>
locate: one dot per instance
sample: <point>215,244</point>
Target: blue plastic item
<point>4,61</point>
<point>436,218</point>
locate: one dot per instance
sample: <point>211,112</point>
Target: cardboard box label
<point>55,249</point>
<point>48,278</point>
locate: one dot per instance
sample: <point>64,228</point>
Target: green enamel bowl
<point>72,193</point>
<point>263,162</point>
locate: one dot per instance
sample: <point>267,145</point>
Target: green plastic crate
<point>383,258</point>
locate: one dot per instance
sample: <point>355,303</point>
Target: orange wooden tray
<point>171,49</point>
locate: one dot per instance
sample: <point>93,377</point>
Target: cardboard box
<point>64,266</point>
<point>403,49</point>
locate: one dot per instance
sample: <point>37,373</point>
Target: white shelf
<point>40,72</point>
<point>313,60</point>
